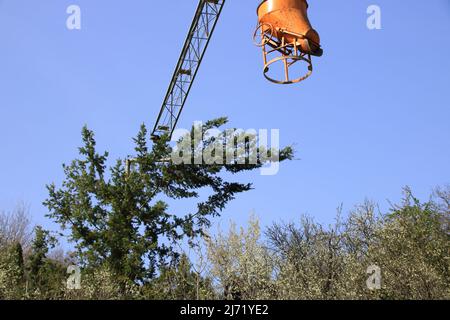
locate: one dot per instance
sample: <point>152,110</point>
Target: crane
<point>283,29</point>
<point>199,35</point>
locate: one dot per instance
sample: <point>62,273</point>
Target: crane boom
<point>202,28</point>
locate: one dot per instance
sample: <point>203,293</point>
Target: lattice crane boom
<point>202,28</point>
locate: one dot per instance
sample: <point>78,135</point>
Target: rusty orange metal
<point>284,27</point>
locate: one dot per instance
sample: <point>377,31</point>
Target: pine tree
<point>45,276</point>
<point>120,218</point>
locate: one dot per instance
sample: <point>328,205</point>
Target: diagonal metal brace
<point>202,28</point>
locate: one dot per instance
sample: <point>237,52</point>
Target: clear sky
<point>373,118</point>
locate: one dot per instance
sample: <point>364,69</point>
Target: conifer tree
<point>120,218</point>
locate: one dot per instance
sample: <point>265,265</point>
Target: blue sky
<point>373,118</point>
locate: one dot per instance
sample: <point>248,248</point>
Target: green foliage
<point>45,276</point>
<point>410,245</point>
<point>32,275</point>
<point>413,251</point>
<point>179,282</point>
<point>100,283</point>
<point>239,263</point>
<point>118,218</point>
<point>128,239</point>
<point>11,272</point>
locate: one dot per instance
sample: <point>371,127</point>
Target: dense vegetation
<point>130,245</point>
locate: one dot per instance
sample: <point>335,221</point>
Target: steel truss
<point>202,28</point>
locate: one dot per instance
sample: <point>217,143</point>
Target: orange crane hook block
<point>287,39</point>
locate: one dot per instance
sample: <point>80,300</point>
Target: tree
<point>40,248</point>
<point>179,281</point>
<point>15,227</point>
<point>120,218</point>
<point>410,245</point>
<point>240,264</point>
<point>412,249</point>
<point>45,276</point>
<point>310,260</point>
<point>11,272</point>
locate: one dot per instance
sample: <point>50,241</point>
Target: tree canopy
<point>120,217</point>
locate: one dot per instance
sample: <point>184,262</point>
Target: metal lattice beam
<point>202,28</point>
